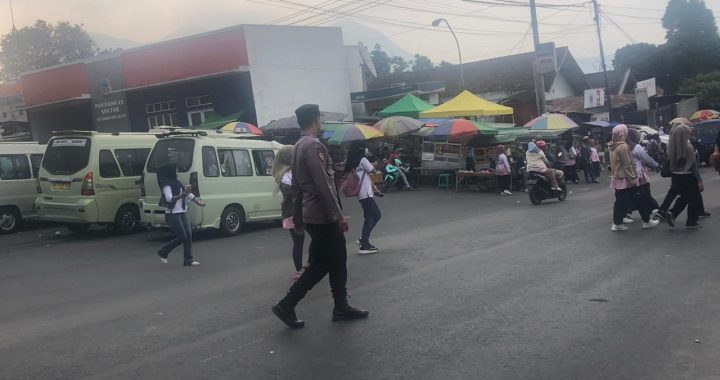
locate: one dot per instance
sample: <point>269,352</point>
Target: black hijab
<point>167,176</point>
<point>355,154</point>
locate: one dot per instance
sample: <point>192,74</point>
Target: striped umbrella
<point>703,115</point>
<point>241,127</point>
<point>551,121</point>
<point>349,132</point>
<point>452,128</point>
<point>398,125</point>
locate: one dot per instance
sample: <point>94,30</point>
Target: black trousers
<point>625,198</point>
<point>504,182</point>
<point>686,186</point>
<point>298,246</point>
<point>646,195</point>
<point>571,173</point>
<point>328,256</point>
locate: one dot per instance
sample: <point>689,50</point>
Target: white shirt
<point>287,178</point>
<point>178,208</point>
<point>363,172</point>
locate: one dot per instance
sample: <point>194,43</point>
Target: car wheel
<point>127,220</point>
<point>9,220</point>
<point>231,221</point>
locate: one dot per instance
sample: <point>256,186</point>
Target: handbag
<point>665,169</point>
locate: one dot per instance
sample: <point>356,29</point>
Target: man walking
<point>317,210</point>
<point>586,156</point>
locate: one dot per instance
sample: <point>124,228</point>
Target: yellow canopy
<point>466,104</point>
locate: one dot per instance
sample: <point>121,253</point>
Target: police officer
<point>317,210</point>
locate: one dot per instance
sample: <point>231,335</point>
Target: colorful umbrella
<point>703,115</point>
<point>349,132</point>
<point>241,127</point>
<point>551,121</point>
<point>398,125</point>
<point>452,128</point>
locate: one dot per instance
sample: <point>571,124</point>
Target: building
<point>506,80</point>
<point>250,73</point>
<point>13,118</point>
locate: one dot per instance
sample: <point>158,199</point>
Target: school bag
<point>351,184</point>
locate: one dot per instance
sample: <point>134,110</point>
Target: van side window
<point>35,160</point>
<point>108,166</point>
<point>263,161</point>
<point>235,163</point>
<point>132,161</point>
<point>210,162</point>
<point>14,166</point>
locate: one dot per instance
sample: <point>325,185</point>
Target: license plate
<point>61,186</point>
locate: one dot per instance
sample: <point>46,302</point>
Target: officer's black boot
<point>345,312</point>
<point>288,317</point>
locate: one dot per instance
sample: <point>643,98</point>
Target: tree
<point>421,62</point>
<point>381,60</point>
<point>706,87</point>
<point>42,45</point>
<point>399,64</point>
<point>445,64</point>
<point>642,58</point>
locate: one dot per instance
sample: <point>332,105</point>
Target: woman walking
<point>569,156</point>
<point>282,172</point>
<point>356,161</point>
<point>176,196</point>
<point>685,179</point>
<point>503,171</point>
<point>642,161</point>
<point>624,179</point>
<point>595,159</point>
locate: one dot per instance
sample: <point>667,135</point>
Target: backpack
<point>351,184</point>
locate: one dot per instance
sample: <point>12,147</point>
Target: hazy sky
<point>484,31</point>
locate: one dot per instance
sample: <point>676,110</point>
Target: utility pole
<point>539,79</point>
<point>608,95</point>
<point>12,17</point>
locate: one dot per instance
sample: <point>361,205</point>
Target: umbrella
<point>703,115</point>
<point>680,120</point>
<point>290,123</point>
<point>398,125</point>
<point>349,132</point>
<point>461,127</point>
<point>551,121</point>
<point>602,124</point>
<point>241,127</point>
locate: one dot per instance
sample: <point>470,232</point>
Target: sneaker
<point>650,224</point>
<point>347,312</point>
<point>288,317</point>
<point>670,219</point>
<point>595,181</point>
<point>705,215</point>
<point>163,258</point>
<point>659,216</point>
<point>619,227</point>
<point>507,192</point>
<point>192,264</point>
<point>368,249</point>
<point>627,220</point>
<point>693,226</point>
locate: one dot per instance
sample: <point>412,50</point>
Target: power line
<point>626,34</point>
<point>298,13</point>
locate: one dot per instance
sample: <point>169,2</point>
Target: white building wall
<point>291,66</point>
<point>561,88</point>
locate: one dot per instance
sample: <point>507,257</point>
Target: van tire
<point>79,228</point>
<point>9,220</point>
<point>232,220</point>
<point>127,220</point>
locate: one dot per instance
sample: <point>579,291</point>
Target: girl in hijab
<point>569,155</point>
<point>176,196</point>
<point>624,179</point>
<point>685,179</point>
<point>282,172</point>
<point>642,161</point>
<point>357,161</point>
<point>502,171</point>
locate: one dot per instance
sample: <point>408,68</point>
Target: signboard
<point>112,108</point>
<point>649,85</point>
<point>601,116</point>
<point>545,58</point>
<point>594,97</point>
<point>642,99</point>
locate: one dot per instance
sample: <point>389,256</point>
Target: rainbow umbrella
<point>349,132</point>
<point>398,125</point>
<point>453,128</point>
<point>551,121</point>
<point>703,115</point>
<point>241,127</point>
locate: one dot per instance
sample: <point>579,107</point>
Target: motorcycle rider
<point>538,162</point>
<point>395,165</point>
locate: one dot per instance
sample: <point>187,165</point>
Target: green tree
<point>445,64</point>
<point>42,45</point>
<point>706,87</point>
<point>421,62</point>
<point>399,64</point>
<point>381,60</point>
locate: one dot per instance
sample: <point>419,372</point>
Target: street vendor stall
<point>467,104</point>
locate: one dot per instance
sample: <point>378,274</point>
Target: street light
<point>462,76</point>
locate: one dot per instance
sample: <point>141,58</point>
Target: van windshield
<point>67,155</point>
<point>179,151</point>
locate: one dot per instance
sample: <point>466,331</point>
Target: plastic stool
<point>444,181</point>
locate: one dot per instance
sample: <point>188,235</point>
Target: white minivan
<point>19,163</point>
<point>232,175</point>
<point>88,177</point>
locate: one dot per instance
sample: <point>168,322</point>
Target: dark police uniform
<point>317,208</point>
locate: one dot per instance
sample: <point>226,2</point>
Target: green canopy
<point>409,105</point>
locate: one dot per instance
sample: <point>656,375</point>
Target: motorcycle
<point>540,189</point>
<point>392,178</point>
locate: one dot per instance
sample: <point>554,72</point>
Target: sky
<point>402,27</point>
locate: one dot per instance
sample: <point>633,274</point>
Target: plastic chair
<point>444,181</point>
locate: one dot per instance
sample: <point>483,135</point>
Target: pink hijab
<point>619,133</point>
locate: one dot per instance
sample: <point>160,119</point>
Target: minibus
<point>19,163</point>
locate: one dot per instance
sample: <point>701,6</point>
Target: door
<point>265,182</point>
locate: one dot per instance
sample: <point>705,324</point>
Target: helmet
<point>541,144</point>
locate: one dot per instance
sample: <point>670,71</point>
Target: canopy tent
<point>467,104</point>
<point>409,105</point>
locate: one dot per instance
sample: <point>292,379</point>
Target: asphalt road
<point>468,286</point>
